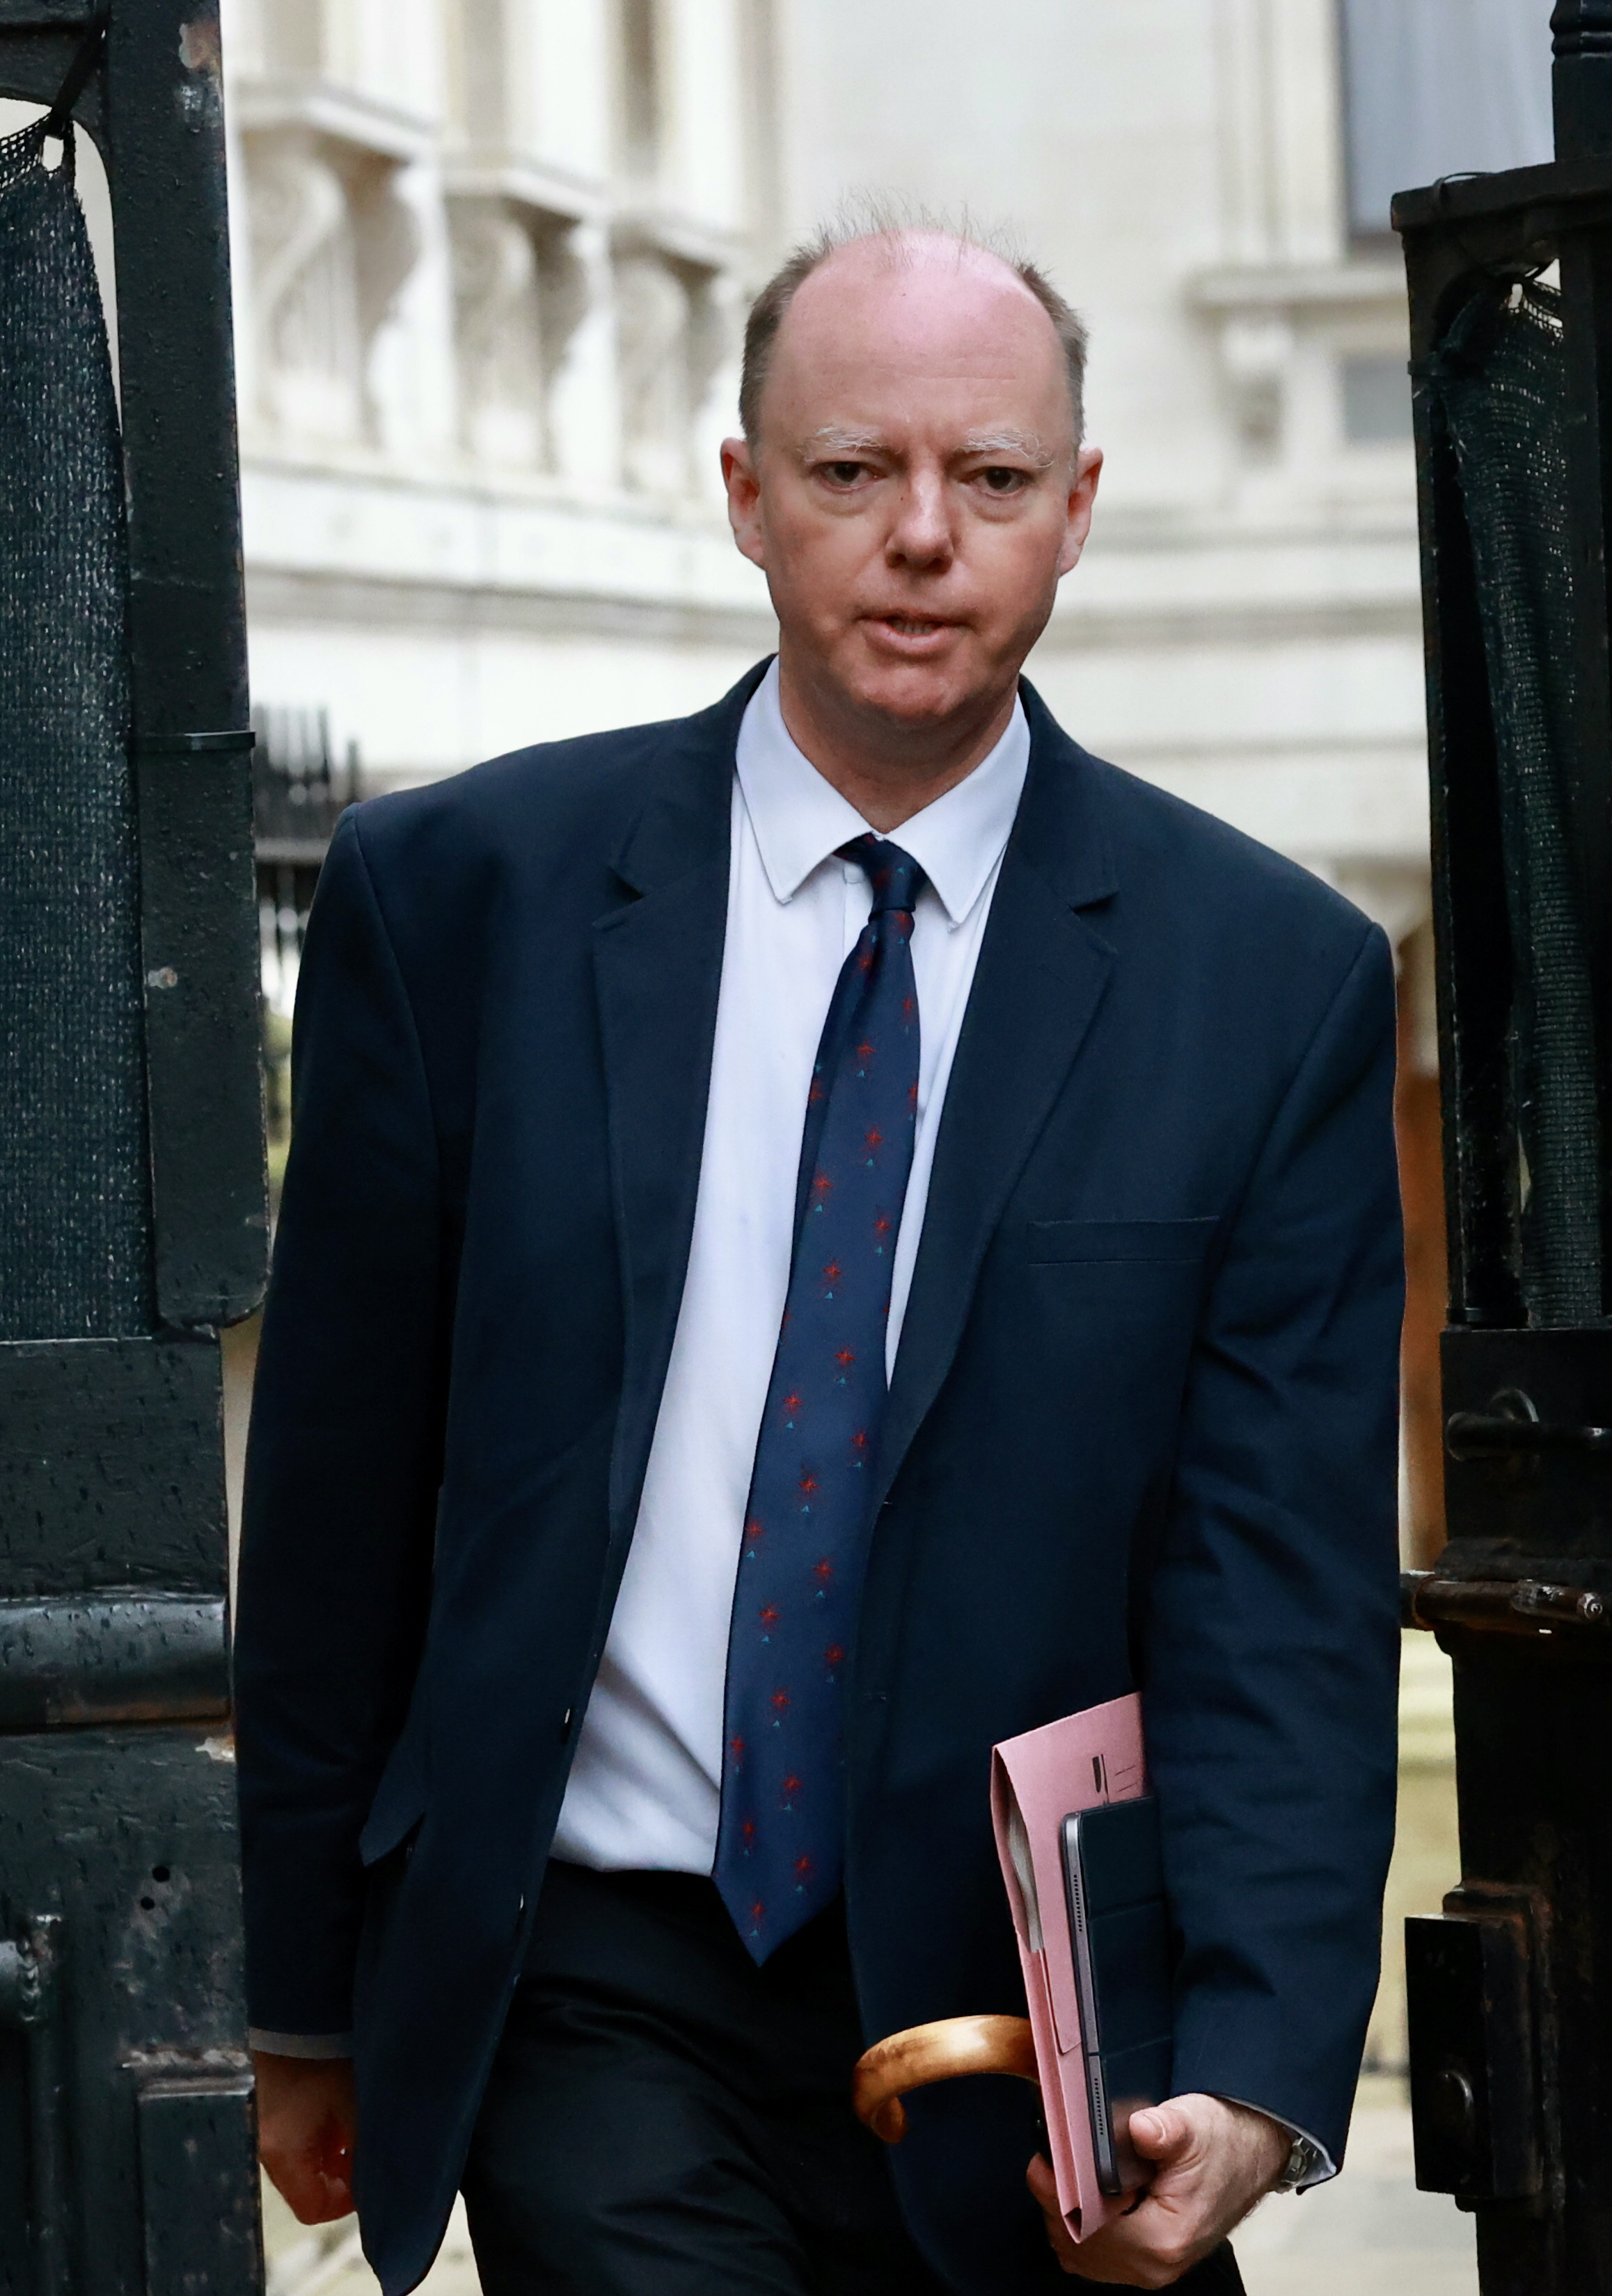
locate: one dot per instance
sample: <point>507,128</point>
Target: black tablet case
<point>1114,1874</point>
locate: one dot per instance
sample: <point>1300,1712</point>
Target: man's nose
<point>922,533</point>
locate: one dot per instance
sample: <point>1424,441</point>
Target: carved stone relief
<point>580,346</point>
<point>331,247</point>
<point>655,312</point>
<point>716,340</point>
<point>305,276</point>
<point>499,334</point>
<point>522,289</point>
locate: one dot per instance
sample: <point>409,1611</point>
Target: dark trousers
<point>664,2118</point>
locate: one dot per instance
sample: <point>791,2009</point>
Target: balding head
<point>912,483</point>
<point>890,246</point>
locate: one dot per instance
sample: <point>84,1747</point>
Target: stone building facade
<point>491,262</point>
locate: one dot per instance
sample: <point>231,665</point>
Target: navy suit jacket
<point>1141,1431</point>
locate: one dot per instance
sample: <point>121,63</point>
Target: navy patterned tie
<point>780,1847</point>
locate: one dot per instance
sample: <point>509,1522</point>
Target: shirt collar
<point>800,819</point>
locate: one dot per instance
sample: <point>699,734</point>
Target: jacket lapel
<point>1043,970</point>
<point>657,971</point>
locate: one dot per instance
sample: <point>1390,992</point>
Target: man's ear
<point>1082,494</point>
<point>744,487</point>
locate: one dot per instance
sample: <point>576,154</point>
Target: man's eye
<point>1001,480</point>
<point>844,474</point>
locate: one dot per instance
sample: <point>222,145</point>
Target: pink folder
<point>1036,1782</point>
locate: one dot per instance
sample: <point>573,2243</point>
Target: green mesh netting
<point>74,1216</point>
<point>1501,380</point>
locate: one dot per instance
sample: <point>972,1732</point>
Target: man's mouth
<point>911,626</point>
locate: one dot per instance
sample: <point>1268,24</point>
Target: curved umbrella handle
<point>935,2052</point>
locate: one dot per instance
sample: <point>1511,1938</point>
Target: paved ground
<point>1371,2234</point>
<point>328,2262</point>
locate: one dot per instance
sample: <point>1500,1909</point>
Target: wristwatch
<point>1304,2159</point>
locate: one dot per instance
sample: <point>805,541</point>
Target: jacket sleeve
<point>1271,1639</point>
<point>343,1459</point>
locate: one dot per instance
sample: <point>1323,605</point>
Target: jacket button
<point>565,1724</point>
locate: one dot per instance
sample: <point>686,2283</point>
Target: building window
<point>641,87</point>
<point>1441,87</point>
<point>1376,398</point>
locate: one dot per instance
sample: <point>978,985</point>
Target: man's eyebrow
<point>840,441</point>
<point>1009,442</point>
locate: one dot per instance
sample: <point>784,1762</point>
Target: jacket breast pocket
<point>1145,1242</point>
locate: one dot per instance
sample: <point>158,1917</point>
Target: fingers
<point>1211,2163</point>
<point>1121,2256</point>
<point>306,2117</point>
<point>1043,2191</point>
<point>310,2167</point>
<point>312,2196</point>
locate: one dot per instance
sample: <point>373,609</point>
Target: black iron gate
<point>1510,1993</point>
<point>126,2117</point>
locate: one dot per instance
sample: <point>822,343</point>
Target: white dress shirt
<point>645,1787</point>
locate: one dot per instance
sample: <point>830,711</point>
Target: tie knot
<point>895,876</point>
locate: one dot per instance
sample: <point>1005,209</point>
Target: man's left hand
<point>1212,2162</point>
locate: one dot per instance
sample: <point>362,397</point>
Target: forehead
<point>886,327</point>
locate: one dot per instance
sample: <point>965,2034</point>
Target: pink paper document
<point>1036,1782</point>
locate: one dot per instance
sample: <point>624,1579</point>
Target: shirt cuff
<point>299,2045</point>
<point>1308,2162</point>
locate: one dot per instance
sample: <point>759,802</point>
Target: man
<point>819,1236</point>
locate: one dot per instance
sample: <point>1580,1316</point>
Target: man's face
<point>915,493</point>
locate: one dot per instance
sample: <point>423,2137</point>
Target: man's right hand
<point>306,2113</point>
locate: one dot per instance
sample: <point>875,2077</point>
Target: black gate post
<point>127,2133</point>
<point>1510,1991</point>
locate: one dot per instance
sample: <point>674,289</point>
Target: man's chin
<point>920,696</point>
